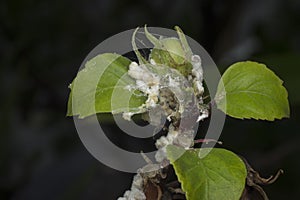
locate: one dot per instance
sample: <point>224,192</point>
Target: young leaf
<point>171,51</point>
<point>219,175</point>
<point>252,91</point>
<point>141,59</point>
<point>93,88</point>
<point>152,39</point>
<point>184,43</point>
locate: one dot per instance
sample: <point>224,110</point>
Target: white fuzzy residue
<point>197,72</point>
<point>147,82</point>
<point>204,114</point>
<point>136,191</point>
<point>156,88</point>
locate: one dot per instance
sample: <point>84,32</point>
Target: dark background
<point>42,44</point>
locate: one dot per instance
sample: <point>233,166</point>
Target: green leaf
<point>219,175</point>
<point>172,55</point>
<point>252,91</point>
<point>141,59</point>
<point>152,39</point>
<point>184,43</point>
<point>101,87</point>
<point>289,73</point>
<point>174,47</point>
